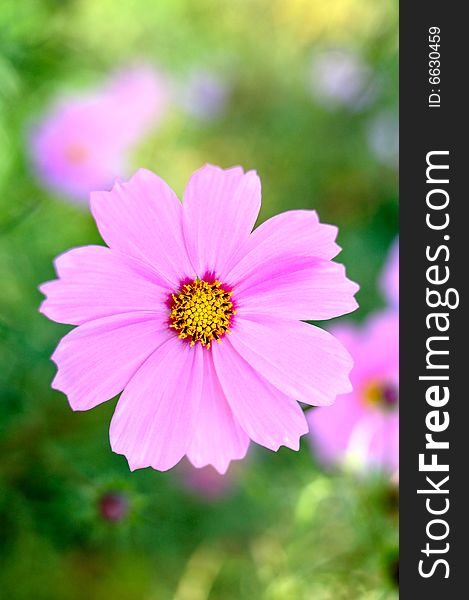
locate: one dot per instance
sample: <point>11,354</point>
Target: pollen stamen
<point>201,311</point>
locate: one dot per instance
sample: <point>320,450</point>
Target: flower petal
<point>303,361</point>
<point>96,360</point>
<point>331,427</point>
<point>295,233</point>
<point>387,443</point>
<point>268,416</point>
<point>98,282</point>
<point>374,442</point>
<point>220,210</point>
<point>143,218</point>
<point>154,418</point>
<point>217,437</point>
<point>305,288</point>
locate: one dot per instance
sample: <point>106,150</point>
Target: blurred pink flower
<point>177,277</point>
<point>82,144</point>
<point>361,430</point>
<point>206,482</point>
<point>390,277</point>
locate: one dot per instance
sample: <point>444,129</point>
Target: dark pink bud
<point>113,506</point>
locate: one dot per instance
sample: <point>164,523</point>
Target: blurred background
<point>303,91</point>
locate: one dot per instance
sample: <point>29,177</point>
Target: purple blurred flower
<point>390,277</point>
<point>82,143</point>
<point>383,138</point>
<point>342,78</point>
<point>204,95</point>
<point>361,430</point>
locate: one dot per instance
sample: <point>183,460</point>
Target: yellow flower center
<point>201,311</point>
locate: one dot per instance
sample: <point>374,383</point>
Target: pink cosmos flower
<point>361,430</point>
<point>390,276</point>
<point>82,144</point>
<point>176,279</point>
